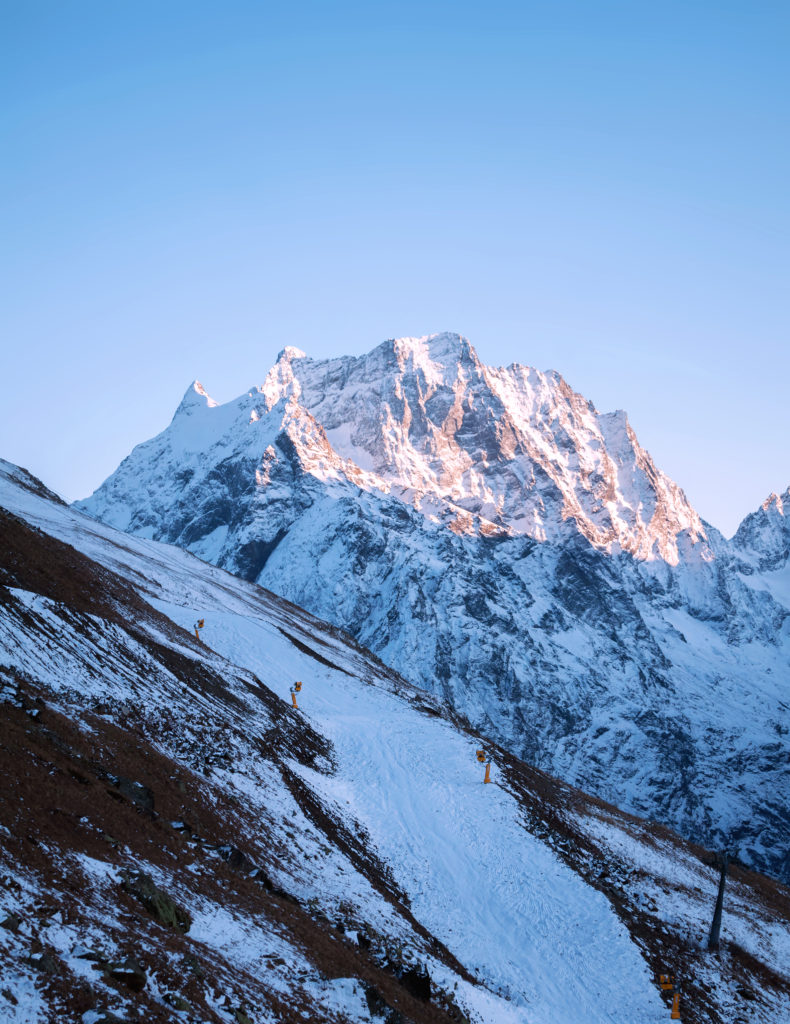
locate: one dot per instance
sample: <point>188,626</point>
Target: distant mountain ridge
<point>491,535</point>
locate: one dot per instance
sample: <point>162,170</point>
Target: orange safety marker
<point>199,625</point>
<point>293,696</point>
<point>483,758</point>
<point>675,1007</point>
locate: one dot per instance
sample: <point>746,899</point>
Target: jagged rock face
<point>494,450</point>
<point>764,536</point>
<point>490,535</point>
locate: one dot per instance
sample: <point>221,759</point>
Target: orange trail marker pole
<point>675,1007</point>
<point>293,698</point>
<point>488,772</point>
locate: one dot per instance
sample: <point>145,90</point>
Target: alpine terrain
<point>187,834</point>
<point>493,538</point>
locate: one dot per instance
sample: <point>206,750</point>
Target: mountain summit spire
<point>195,397</point>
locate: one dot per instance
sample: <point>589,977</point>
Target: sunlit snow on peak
<point>291,352</point>
<point>200,390</point>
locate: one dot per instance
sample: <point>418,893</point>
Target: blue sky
<point>591,187</point>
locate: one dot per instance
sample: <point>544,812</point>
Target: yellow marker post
<point>198,626</point>
<point>675,1007</point>
<point>488,772</point>
<point>293,698</point>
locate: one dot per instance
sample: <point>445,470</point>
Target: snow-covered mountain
<point>492,452</point>
<point>177,842</point>
<point>764,536</point>
<point>491,536</point>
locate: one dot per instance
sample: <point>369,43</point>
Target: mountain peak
<point>440,348</point>
<point>775,500</point>
<point>764,535</point>
<point>423,419</point>
<point>195,397</point>
<point>290,352</point>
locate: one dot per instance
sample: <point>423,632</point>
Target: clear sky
<point>598,188</point>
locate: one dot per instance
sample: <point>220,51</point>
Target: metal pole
<point>715,928</point>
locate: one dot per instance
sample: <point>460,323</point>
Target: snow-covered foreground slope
<point>342,861</point>
<point>492,537</point>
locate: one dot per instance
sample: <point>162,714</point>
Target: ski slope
<point>498,898</point>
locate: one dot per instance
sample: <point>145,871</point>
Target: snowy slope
<point>524,900</point>
<point>490,535</point>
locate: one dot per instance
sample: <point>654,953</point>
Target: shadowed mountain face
<point>492,536</point>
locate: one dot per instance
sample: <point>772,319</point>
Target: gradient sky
<point>598,188</point>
